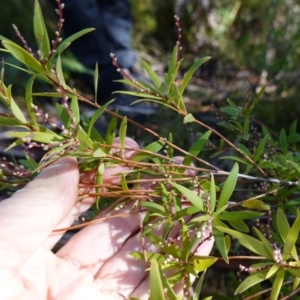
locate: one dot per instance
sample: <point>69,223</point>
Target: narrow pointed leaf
<point>248,242</point>
<point>196,148</point>
<point>188,75</point>
<point>277,284</point>
<point>29,101</point>
<point>190,195</point>
<point>229,186</point>
<point>291,238</point>
<point>40,31</point>
<point>152,75</point>
<point>251,281</point>
<point>212,194</point>
<point>23,56</point>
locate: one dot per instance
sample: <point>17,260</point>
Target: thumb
<point>29,216</point>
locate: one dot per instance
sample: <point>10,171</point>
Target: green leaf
<point>154,207</point>
<point>294,165</point>
<point>244,149</point>
<point>239,225</point>
<point>190,195</point>
<point>212,194</point>
<point>171,76</point>
<point>75,108</point>
<point>283,227</point>
<point>255,204</point>
<point>202,263</point>
<point>60,72</point>
<point>151,148</point>
<point>251,280</point>
<point>196,148</point>
<point>48,94</point>
<point>17,111</point>
<point>40,31</point>
<point>42,137</point>
<point>229,186</point>
<point>139,94</point>
<point>67,42</point>
<point>10,120</point>
<point>122,134</point>
<point>188,119</point>
<point>239,215</point>
<point>158,284</point>
<point>63,114</point>
<point>29,101</point>
<point>291,238</point>
<point>248,242</point>
<point>99,181</point>
<point>277,284</point>
<point>23,56</point>
<point>153,76</point>
<point>235,158</point>
<point>260,148</point>
<point>188,75</point>
<point>264,240</point>
<point>111,131</point>
<point>283,142</point>
<point>221,244</point>
<point>96,115</point>
<point>198,287</point>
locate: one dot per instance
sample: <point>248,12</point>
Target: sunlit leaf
<point>189,118</point>
<point>291,238</point>
<point>272,271</point>
<point>283,229</point>
<point>212,198</point>
<point>229,186</point>
<point>154,207</point>
<point>264,240</point>
<point>122,134</point>
<point>202,263</point>
<point>221,244</point>
<point>255,204</point>
<point>23,56</point>
<point>188,75</point>
<point>40,31</point>
<point>198,286</point>
<point>277,284</point>
<point>74,106</point>
<point>283,142</point>
<point>248,242</point>
<point>196,148</point>
<point>67,42</point>
<point>42,137</point>
<point>29,100</point>
<point>260,148</point>
<point>239,225</point>
<point>153,76</point>
<point>153,148</point>
<point>171,76</point>
<point>251,280</point>
<point>239,215</point>
<point>60,72</point>
<point>17,111</point>
<point>190,195</point>
<point>96,115</point>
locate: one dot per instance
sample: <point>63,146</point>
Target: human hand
<point>94,264</point>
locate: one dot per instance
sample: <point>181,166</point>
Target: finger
<point>95,244</point>
<point>29,216</point>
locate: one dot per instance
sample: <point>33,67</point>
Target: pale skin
<point>94,264</point>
